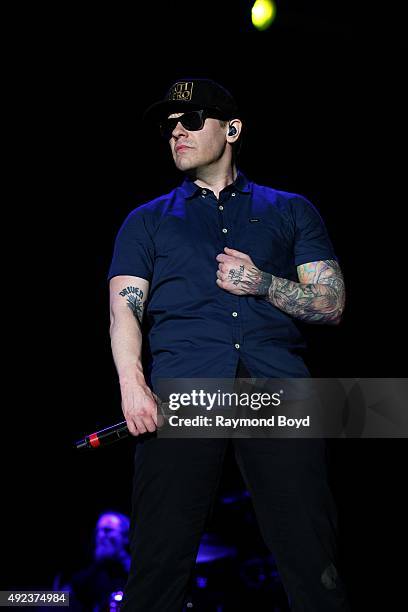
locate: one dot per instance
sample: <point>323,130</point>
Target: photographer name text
<point>233,423</point>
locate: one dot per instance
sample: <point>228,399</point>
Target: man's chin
<point>184,164</point>
<point>104,553</point>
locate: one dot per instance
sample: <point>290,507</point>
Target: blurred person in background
<point>92,588</point>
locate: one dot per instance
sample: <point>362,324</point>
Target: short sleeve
<point>133,252</point>
<point>312,242</point>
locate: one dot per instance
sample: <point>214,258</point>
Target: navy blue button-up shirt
<point>193,328</point>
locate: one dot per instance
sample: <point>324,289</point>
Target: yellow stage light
<point>263,13</point>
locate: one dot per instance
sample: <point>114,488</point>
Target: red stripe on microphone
<point>94,440</point>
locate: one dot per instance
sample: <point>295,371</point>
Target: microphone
<point>106,436</point>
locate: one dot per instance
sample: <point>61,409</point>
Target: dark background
<point>322,97</point>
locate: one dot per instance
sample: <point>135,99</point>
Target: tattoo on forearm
<point>257,282</point>
<point>319,302</point>
<point>134,297</point>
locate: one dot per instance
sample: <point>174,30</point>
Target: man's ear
<point>234,130</point>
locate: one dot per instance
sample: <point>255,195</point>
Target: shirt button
<point>221,207</point>
<point>224,229</point>
<point>237,346</point>
<point>204,191</point>
<point>233,193</point>
<point>234,314</point>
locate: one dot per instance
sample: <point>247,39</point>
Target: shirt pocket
<point>266,242</point>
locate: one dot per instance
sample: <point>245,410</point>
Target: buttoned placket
<point>234,300</point>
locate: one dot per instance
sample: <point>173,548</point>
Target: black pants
<point>175,482</point>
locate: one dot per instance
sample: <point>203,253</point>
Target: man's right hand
<point>139,406</point>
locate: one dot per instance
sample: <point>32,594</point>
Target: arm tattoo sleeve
<point>321,301</point>
<point>134,299</point>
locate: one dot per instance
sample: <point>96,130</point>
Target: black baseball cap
<point>194,94</point>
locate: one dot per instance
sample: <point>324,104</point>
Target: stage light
<point>263,13</point>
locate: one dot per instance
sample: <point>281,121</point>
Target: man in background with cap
<point>224,269</point>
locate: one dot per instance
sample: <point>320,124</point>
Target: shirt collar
<point>240,184</point>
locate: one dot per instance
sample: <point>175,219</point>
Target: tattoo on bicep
<point>134,297</point>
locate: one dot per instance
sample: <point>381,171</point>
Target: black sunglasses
<point>192,121</point>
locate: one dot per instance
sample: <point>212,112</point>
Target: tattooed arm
<point>127,299</point>
<point>128,295</point>
<point>319,297</point>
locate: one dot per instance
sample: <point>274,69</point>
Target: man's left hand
<point>238,274</point>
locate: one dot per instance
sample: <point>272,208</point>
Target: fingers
<point>141,415</point>
<point>234,252</point>
<point>157,418</point>
<point>145,421</point>
<point>222,257</point>
<point>131,426</point>
<point>154,417</point>
<point>231,254</point>
<point>140,423</point>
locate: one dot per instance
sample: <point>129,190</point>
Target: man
<point>93,587</point>
<point>224,268</point>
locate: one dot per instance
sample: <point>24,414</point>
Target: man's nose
<point>179,130</point>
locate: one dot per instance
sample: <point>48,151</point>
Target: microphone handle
<point>104,436</point>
